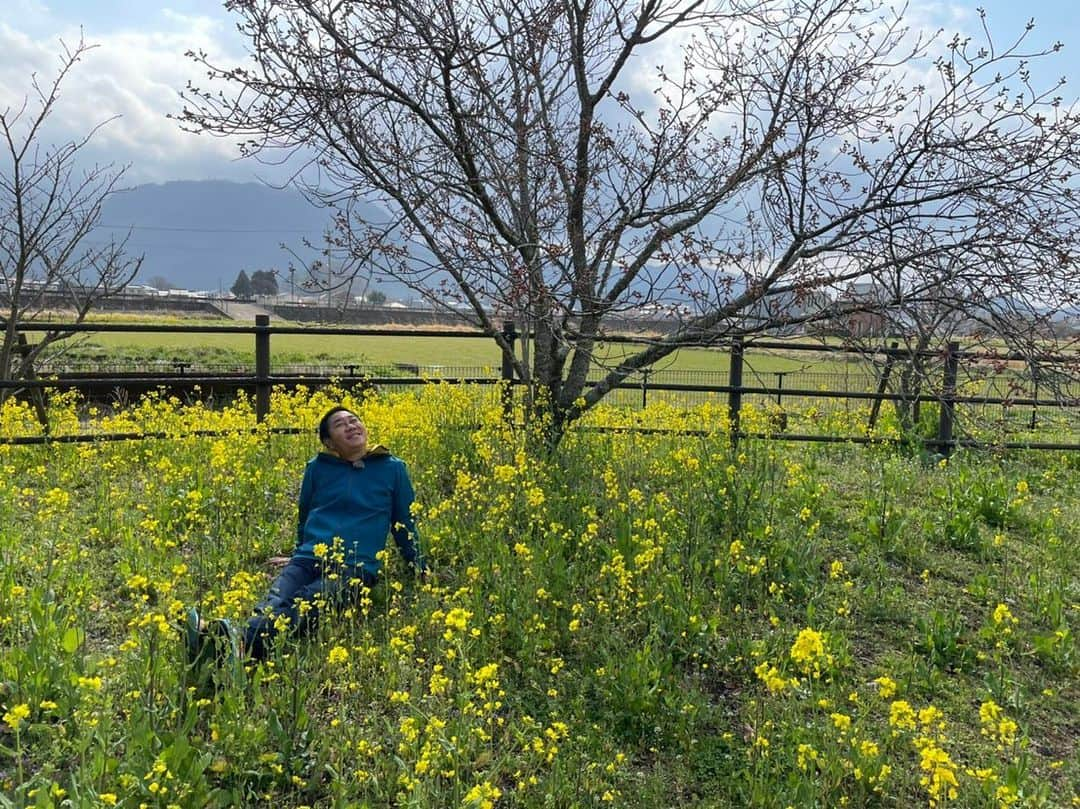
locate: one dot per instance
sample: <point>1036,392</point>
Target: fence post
<point>262,367</point>
<point>735,385</point>
<point>883,384</point>
<point>948,400</point>
<point>645,387</point>
<point>37,395</point>
<point>1035,396</point>
<point>509,333</point>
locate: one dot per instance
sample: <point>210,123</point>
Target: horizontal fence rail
<point>243,381</point>
<point>740,384</point>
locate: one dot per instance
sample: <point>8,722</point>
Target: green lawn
<point>424,351</point>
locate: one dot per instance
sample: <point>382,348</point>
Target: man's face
<point>348,435</point>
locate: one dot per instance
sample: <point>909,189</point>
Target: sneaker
<point>193,635</point>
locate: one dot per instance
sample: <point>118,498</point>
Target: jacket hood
<point>373,452</point>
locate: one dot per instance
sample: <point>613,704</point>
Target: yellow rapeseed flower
<point>486,674</point>
<point>1003,615</point>
<point>886,686</point>
<point>940,779</point>
<point>774,681</point>
<point>996,725</point>
<point>901,715</point>
<point>458,619</point>
<point>809,652</point>
<point>17,715</point>
<point>482,796</point>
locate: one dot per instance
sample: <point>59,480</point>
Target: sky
<point>135,73</point>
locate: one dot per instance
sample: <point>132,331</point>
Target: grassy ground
<point>381,350</point>
<point>639,621</point>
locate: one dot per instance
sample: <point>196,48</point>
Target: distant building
<point>860,310</point>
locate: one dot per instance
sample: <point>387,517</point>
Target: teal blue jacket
<point>360,502</point>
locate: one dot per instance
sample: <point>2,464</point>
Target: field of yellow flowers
<point>640,620</point>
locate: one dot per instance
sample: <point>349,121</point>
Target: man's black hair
<point>324,422</point>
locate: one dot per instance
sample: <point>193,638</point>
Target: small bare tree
<point>343,269</point>
<point>562,162</point>
<point>1000,300</point>
<point>50,204</point>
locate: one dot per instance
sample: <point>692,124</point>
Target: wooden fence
<point>260,380</point>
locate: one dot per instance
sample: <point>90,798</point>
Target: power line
<point>159,246</point>
<point>207,230</point>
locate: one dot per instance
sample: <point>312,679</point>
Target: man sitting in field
<point>351,497</point>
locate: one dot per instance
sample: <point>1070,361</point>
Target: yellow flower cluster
<point>1003,617</point>
<point>337,656</point>
<point>773,679</point>
<point>810,653</point>
<point>939,770</point>
<point>482,796</point>
<point>886,687</point>
<point>16,716</point>
<point>996,725</point>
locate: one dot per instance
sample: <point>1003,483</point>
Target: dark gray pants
<point>302,581</point>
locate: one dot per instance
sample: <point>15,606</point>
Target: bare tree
<point>50,204</point>
<point>342,271</point>
<point>999,303</point>
<point>563,161</point>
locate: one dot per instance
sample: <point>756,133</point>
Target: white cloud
<point>136,73</point>
<point>134,77</point>
<point>29,13</point>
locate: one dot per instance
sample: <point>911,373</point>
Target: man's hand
<point>278,561</point>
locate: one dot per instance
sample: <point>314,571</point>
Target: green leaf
<point>73,639</point>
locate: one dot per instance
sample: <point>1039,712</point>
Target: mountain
<point>200,235</point>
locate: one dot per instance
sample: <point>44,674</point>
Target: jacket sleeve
<point>402,525</point>
<point>303,502</point>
